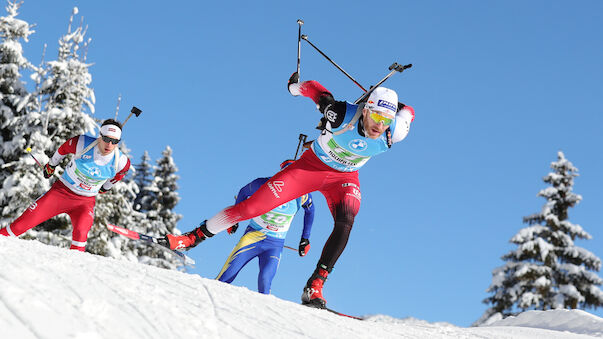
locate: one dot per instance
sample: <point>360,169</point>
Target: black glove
<point>48,170</point>
<point>232,229</point>
<point>304,247</point>
<point>102,190</point>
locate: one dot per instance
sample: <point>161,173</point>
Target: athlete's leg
<point>290,183</point>
<point>47,206</point>
<point>243,252</point>
<point>269,261</point>
<point>343,198</point>
<point>82,218</point>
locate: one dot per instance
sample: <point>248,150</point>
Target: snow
<point>50,292</point>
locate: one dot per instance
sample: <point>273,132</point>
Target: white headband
<point>111,131</point>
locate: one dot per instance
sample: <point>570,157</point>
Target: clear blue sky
<point>498,89</point>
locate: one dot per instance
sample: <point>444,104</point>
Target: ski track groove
<point>149,332</point>
<point>171,282</point>
<point>218,317</point>
<point>15,312</point>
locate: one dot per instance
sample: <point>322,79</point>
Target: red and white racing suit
<point>75,192</point>
<point>330,166</point>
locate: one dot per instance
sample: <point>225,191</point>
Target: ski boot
<point>312,295</point>
<point>187,240</point>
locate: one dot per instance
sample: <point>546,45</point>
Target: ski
<point>343,314</point>
<point>151,240</point>
<point>333,311</point>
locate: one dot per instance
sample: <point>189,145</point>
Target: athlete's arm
<point>68,147</point>
<point>333,110</point>
<point>123,167</point>
<point>404,117</point>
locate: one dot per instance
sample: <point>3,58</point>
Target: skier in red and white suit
<point>95,167</point>
<point>353,134</point>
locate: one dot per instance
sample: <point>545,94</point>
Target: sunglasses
<point>380,118</point>
<point>110,140</point>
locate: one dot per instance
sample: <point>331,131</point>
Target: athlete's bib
<point>276,223</point>
<point>86,174</point>
<point>347,151</point>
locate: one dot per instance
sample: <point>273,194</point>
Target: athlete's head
<point>379,111</point>
<point>286,163</point>
<point>110,135</point>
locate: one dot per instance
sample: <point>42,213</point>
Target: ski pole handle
<point>28,150</point>
<point>134,110</point>
<point>302,140</point>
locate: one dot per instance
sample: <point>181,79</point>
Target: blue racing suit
<point>265,237</point>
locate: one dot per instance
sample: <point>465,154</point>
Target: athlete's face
<point>106,147</point>
<point>373,129</point>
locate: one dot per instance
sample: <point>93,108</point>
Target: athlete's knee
<point>344,216</point>
<point>249,209</point>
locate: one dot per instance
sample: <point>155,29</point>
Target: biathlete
<point>351,136</point>
<point>264,238</point>
<point>96,166</point>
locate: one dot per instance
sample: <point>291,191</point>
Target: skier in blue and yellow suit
<point>265,236</point>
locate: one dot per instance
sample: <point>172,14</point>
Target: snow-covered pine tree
<point>156,218</point>
<point>166,196</point>
<point>66,90</point>
<point>20,124</point>
<point>547,270</point>
<point>144,179</point>
<point>67,97</point>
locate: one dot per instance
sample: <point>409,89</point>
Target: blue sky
<point>498,88</point>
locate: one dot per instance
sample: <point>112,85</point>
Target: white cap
<point>383,100</point>
<point>111,131</point>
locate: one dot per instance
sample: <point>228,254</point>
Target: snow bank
<point>50,292</point>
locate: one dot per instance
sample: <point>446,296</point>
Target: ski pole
<point>302,141</point>
<point>300,22</point>
<point>305,37</point>
<point>28,151</point>
<point>393,69</point>
<point>134,110</point>
<point>291,248</point>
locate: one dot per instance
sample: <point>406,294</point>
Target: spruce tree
<point>547,270</point>
<point>167,196</point>
<point>66,90</point>
<point>20,123</point>
<point>144,179</point>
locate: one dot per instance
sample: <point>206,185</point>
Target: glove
<point>304,247</point>
<point>232,229</point>
<point>293,84</point>
<point>48,170</point>
<point>102,190</point>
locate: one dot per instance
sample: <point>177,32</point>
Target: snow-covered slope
<point>49,292</point>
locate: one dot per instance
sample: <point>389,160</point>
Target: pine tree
<point>144,180</point>
<point>547,270</point>
<point>66,89</point>
<point>167,196</point>
<point>20,124</point>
